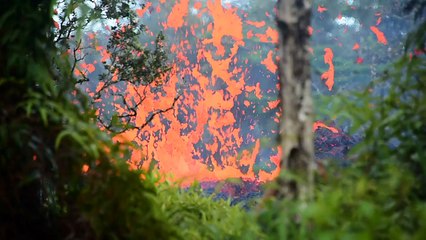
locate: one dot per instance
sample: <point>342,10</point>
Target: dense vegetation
<point>381,196</point>
<point>63,178</point>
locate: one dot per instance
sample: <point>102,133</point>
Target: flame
<point>226,23</point>
<point>310,30</point>
<point>270,63</point>
<point>179,12</point>
<point>355,47</point>
<point>321,9</point>
<point>379,20</point>
<point>328,76</point>
<point>141,11</point>
<point>319,124</point>
<point>381,38</point>
<point>256,24</point>
<point>214,131</point>
<point>85,168</point>
<point>201,139</point>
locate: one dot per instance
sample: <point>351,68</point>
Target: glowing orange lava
<point>214,130</point>
<point>319,124</point>
<point>270,63</point>
<point>381,38</point>
<point>321,9</point>
<point>328,76</point>
<point>355,47</point>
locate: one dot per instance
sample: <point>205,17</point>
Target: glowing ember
<point>321,9</point>
<point>270,63</point>
<point>380,35</point>
<point>320,124</point>
<point>355,47</point>
<point>141,11</point>
<point>328,76</point>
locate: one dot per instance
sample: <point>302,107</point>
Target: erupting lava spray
<point>213,133</point>
<point>225,121</point>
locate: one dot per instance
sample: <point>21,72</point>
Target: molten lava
<point>225,121</point>
<point>328,76</point>
<point>380,35</point>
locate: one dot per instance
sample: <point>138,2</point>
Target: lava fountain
<point>223,90</point>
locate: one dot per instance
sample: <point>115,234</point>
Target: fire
<point>201,138</point>
<point>321,9</point>
<point>226,23</point>
<point>216,128</point>
<point>319,124</point>
<point>355,47</point>
<point>179,12</point>
<point>270,63</point>
<point>381,38</point>
<point>310,30</point>
<point>141,11</point>
<point>328,76</point>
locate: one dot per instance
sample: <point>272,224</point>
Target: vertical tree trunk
<point>293,19</point>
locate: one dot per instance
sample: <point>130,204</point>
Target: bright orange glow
<point>85,168</point>
<point>355,47</point>
<point>226,23</point>
<point>270,63</point>
<point>206,110</point>
<point>328,76</point>
<point>321,9</point>
<point>319,124</point>
<point>142,11</point>
<point>256,24</point>
<point>214,131</point>
<point>379,20</point>
<point>179,11</point>
<point>310,30</point>
<point>198,5</point>
<point>270,36</point>
<point>380,35</point>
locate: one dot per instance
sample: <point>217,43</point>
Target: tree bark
<point>293,19</point>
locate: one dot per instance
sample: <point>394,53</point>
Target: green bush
<point>353,206</point>
<point>199,216</point>
<point>382,195</point>
<point>48,135</point>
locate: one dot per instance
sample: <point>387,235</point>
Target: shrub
<point>382,195</point>
<point>199,216</point>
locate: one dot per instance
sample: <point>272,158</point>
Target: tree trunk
<point>293,20</point>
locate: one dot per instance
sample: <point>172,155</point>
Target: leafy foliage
<point>352,206</point>
<point>199,216</point>
<point>61,177</point>
<point>48,139</point>
<point>116,31</point>
<point>382,195</point>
